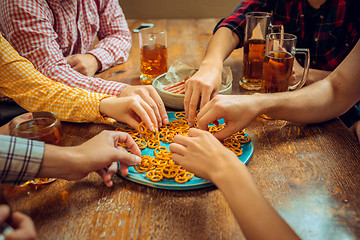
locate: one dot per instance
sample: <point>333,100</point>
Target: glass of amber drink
<point>153,54</point>
<point>278,63</point>
<point>41,126</point>
<point>258,25</point>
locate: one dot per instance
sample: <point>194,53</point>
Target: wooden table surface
<point>309,173</point>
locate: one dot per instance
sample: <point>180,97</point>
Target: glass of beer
<point>41,126</point>
<point>278,63</point>
<point>258,25</point>
<point>153,54</point>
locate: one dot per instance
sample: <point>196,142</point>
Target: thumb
<point>127,158</point>
<point>227,131</point>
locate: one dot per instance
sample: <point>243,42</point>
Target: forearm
<point>220,46</point>
<point>320,101</point>
<point>240,190</point>
<point>315,75</point>
<point>114,35</point>
<point>56,162</point>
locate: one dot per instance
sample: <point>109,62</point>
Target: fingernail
<point>138,159</point>
<point>190,124</point>
<point>166,121</point>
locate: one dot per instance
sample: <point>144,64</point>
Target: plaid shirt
<point>35,92</point>
<point>20,159</point>
<point>46,31</point>
<point>336,28</point>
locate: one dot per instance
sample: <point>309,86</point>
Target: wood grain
<point>309,173</point>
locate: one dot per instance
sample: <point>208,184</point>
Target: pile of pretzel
<point>161,165</point>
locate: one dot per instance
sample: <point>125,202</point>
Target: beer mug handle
<point>276,28</point>
<point>301,83</point>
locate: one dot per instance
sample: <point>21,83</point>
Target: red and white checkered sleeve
<point>29,29</point>
<point>114,35</point>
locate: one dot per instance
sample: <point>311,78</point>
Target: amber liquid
<point>254,53</point>
<point>153,62</point>
<point>277,71</point>
<point>38,129</point>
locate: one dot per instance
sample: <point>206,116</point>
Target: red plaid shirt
<point>46,31</point>
<point>335,31</point>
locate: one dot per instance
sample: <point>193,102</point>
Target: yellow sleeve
<point>33,91</point>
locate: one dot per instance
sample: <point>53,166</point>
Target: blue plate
<point>170,184</point>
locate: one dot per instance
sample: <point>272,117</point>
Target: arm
<point>114,35</point>
<point>229,34</point>
<point>318,102</point>
<point>206,82</point>
<point>22,160</point>
<point>44,51</point>
<point>221,166</point>
<point>74,163</point>
<point>34,92</point>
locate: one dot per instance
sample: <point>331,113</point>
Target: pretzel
<point>162,166</point>
<point>154,175</point>
<point>184,177</point>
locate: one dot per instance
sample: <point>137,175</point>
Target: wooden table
<point>309,173</point>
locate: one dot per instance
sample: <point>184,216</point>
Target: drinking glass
<point>279,58</point>
<point>258,25</point>
<point>42,126</point>
<point>153,54</point>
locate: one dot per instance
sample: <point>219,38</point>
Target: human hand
<point>101,154</point>
<point>201,153</point>
<point>201,88</point>
<point>86,64</point>
<point>23,226</point>
<point>238,112</point>
<point>152,99</point>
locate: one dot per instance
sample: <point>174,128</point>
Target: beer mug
<point>258,25</point>
<point>42,126</point>
<point>279,58</point>
<point>153,53</point>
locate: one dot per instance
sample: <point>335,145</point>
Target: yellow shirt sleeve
<point>33,91</point>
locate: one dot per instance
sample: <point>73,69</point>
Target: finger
<point>123,137</point>
<point>207,116</point>
<point>111,171</point>
<point>225,132</point>
<point>146,114</point>
<point>178,158</point>
<point>205,97</point>
<point>127,158</point>
<point>147,98</point>
<point>194,132</point>
<point>4,212</point>
<point>194,101</point>
<point>176,148</point>
<point>124,169</point>
<point>182,140</point>
<point>132,122</point>
<point>160,106</point>
<point>187,98</point>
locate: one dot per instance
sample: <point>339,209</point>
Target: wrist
<point>106,105</point>
<point>224,177</point>
<point>57,162</point>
